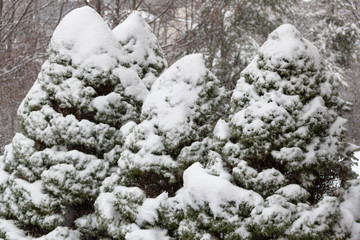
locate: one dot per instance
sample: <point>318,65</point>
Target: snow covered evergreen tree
<point>99,157</point>
<point>179,111</point>
<point>285,155</point>
<point>285,114</point>
<point>144,51</point>
<point>288,141</point>
<point>71,119</point>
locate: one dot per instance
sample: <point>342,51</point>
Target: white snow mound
<point>81,33</point>
<point>286,42</point>
<point>200,187</point>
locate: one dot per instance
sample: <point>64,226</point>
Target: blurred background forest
<point>228,32</point>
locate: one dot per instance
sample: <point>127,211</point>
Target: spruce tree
<point>70,120</point>
<point>143,48</point>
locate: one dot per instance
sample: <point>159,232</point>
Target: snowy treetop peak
<point>82,33</point>
<point>134,23</point>
<point>286,42</point>
<point>191,67</point>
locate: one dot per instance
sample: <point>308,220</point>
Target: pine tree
<point>179,111</point>
<point>70,127</point>
<point>144,51</point>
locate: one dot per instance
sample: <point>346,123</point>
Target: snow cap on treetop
<point>134,24</point>
<point>82,33</point>
<point>142,46</point>
<point>286,43</point>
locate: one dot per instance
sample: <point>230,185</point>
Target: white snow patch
<point>4,176</point>
<point>222,130</point>
<point>9,228</point>
<point>147,234</point>
<point>127,128</point>
<point>147,212</point>
<point>293,192</point>
<point>201,187</point>
<point>352,200</point>
<point>34,189</point>
<point>356,168</point>
<point>106,206</point>
<point>134,87</point>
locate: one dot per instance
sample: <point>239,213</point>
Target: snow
<point>172,102</point>
<point>317,219</point>
<point>252,119</point>
<point>102,103</point>
<point>145,160</point>
<point>276,213</point>
<point>127,128</point>
<point>313,109</point>
<point>34,190</point>
<point>4,176</point>
<point>147,212</point>
<point>11,231</point>
<point>222,130</point>
<point>288,154</point>
<point>82,33</point>
<point>147,234</point>
<point>286,43</point>
<point>105,204</point>
<point>293,192</point>
<point>270,177</point>
<point>132,84</point>
<point>142,46</point>
<point>201,187</point>
<point>63,233</point>
<point>33,98</point>
<point>352,199</point>
<point>168,112</point>
<point>356,168</point>
<point>175,92</point>
<point>135,25</point>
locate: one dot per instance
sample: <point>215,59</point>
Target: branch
<point>163,12</point>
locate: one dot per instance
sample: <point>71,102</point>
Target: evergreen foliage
<point>101,157</point>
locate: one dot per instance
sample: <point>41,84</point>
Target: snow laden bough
<point>70,120</point>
